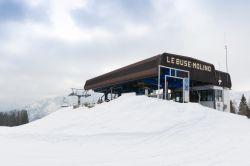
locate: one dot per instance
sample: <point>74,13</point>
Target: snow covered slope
<point>130,131</point>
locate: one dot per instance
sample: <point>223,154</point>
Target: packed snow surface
<point>130,131</point>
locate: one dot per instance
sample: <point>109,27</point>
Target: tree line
<point>14,118</point>
<point>244,107</point>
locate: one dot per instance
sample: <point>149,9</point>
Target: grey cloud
<point>12,10</point>
<point>113,13</point>
<point>230,13</point>
<point>15,10</point>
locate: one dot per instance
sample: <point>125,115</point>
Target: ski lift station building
<point>171,77</point>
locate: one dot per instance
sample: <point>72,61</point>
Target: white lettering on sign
<point>189,64</point>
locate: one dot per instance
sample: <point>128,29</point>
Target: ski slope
<point>130,131</point>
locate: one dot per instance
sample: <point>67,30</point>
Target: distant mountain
<point>6,106</point>
<point>43,107</point>
<point>47,106</point>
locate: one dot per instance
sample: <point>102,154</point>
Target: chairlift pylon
<point>79,93</point>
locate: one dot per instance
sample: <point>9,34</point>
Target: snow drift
<point>131,130</point>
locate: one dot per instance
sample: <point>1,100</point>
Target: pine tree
<point>24,117</point>
<point>248,103</point>
<point>243,108</point>
<point>1,119</point>
<point>232,107</point>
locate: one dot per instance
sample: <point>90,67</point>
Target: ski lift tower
<point>79,93</point>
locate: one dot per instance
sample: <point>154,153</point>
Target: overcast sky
<point>49,46</point>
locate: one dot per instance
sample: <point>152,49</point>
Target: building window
<point>203,95</point>
<point>207,95</point>
<point>210,95</point>
<point>218,95</point>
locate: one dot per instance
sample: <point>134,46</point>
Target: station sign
<point>188,63</point>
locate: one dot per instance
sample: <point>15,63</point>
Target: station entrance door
<point>175,84</point>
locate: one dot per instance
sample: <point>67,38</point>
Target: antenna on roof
<point>226,54</point>
<point>226,58</point>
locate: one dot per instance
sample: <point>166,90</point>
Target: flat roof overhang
<point>136,71</point>
<point>199,71</point>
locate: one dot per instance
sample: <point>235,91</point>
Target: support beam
<point>166,89</point>
<point>111,91</point>
<point>106,96</point>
